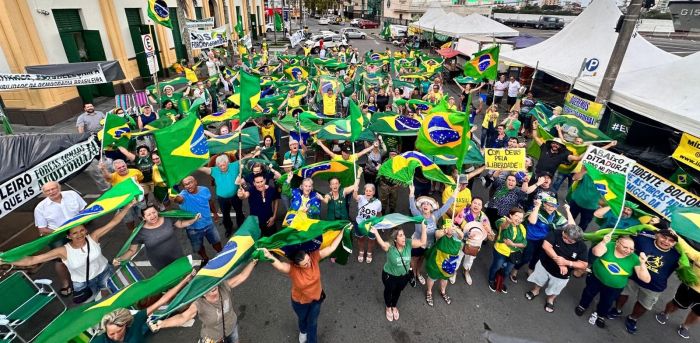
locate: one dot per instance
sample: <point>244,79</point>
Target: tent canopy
<point>455,25</point>
<point>667,93</point>
<point>590,36</point>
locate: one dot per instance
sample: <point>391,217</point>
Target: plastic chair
<point>123,101</point>
<point>27,299</point>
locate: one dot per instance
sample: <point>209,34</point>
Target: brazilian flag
<point>237,251</point>
<point>387,222</point>
<point>686,222</point>
<point>357,121</point>
<point>484,64</point>
<point>115,133</point>
<point>442,258</point>
<point>443,133</point>
<point>401,168</point>
<point>329,169</point>
<point>113,199</point>
<point>340,129</point>
<point>158,11</point>
<point>74,321</point>
<point>221,116</point>
<point>183,148</point>
<point>301,229</point>
<point>610,186</point>
<point>395,125</point>
<point>250,94</point>
<point>588,133</point>
<point>249,137</point>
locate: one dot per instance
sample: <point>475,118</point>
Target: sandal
<point>529,295</point>
<point>368,259</point>
<point>361,257</point>
<point>446,298</point>
<point>429,299</point>
<point>421,279</point>
<point>396,313</point>
<point>513,278</point>
<point>548,307</point>
<point>389,315</point>
<point>66,291</point>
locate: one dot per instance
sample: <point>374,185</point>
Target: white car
<point>324,21</point>
<point>332,40</point>
<point>351,32</point>
<point>355,22</point>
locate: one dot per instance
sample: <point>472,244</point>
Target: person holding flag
<point>626,220</point>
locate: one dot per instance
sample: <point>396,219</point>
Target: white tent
<point>591,36</point>
<point>668,93</point>
<point>455,25</point>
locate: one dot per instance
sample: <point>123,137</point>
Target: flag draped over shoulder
<point>116,132</point>
<point>686,222</point>
<point>78,319</point>
<point>183,148</point>
<point>386,222</point>
<point>327,170</point>
<point>113,199</point>
<point>610,186</point>
<point>484,64</point>
<point>237,251</point>
<point>250,138</point>
<point>158,11</point>
<point>402,168</point>
<point>250,94</point>
<point>441,133</point>
<point>442,258</point>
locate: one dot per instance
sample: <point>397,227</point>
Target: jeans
<point>197,236</point>
<point>225,205</point>
<point>307,315</point>
<point>608,295</point>
<point>393,285</point>
<point>531,254</point>
<point>97,283</point>
<point>559,180</point>
<point>499,261</point>
<point>484,137</point>
<point>586,214</point>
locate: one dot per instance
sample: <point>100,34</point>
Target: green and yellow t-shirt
<point>515,234</point>
<point>464,198</point>
<point>613,271</point>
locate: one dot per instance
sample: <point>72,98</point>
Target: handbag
<point>470,250</point>
<point>515,257</point>
<point>409,271</point>
<point>84,294</point>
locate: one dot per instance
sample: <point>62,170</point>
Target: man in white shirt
<point>50,214</point>
<point>499,89</point>
<point>513,89</point>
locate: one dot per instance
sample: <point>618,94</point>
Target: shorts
<point>645,297</point>
<point>356,231</point>
<point>687,297</point>
<point>197,236</point>
<point>512,100</point>
<point>97,283</point>
<point>540,276</point>
<point>418,252</point>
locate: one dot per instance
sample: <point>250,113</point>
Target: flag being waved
<point>442,133</point>
<point>483,65</point>
<point>402,168</point>
<point>158,11</point>
<point>115,133</point>
<point>183,148</point>
<point>357,121</point>
<point>442,258</point>
<point>610,186</point>
<point>250,95</point>
<point>329,169</point>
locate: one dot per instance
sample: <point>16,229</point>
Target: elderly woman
<point>159,237</point>
<point>304,200</point>
<point>476,228</point>
<point>428,208</point>
<point>88,268</point>
<point>368,206</point>
<point>508,247</point>
<point>615,263</point>
<point>396,272</point>
<point>298,157</point>
<point>225,175</point>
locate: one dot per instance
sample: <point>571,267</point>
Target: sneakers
<point>302,337</point>
<point>600,322</point>
<point>579,310</point>
<point>468,278</point>
<point>683,332</point>
<point>631,325</point>
<point>492,286</point>
<point>662,318</point>
<point>504,289</point>
<point>614,313</point>
<point>453,278</point>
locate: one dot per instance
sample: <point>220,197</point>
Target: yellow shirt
<point>265,131</point>
<point>485,123</point>
<point>329,104</point>
<point>352,158</point>
<point>464,199</point>
<point>135,173</point>
<point>294,101</point>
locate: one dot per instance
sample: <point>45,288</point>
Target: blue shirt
<point>226,186</point>
<point>545,223</point>
<point>660,264</point>
<point>198,203</point>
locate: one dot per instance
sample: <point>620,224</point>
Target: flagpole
<point>532,82</point>
<point>155,75</point>
<point>580,70</point>
<point>619,216</point>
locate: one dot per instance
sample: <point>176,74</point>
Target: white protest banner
<point>27,185</point>
<point>296,38</point>
<point>505,159</point>
<point>247,41</point>
<point>199,23</point>
<point>205,39</point>
<point>18,81</point>
<point>657,193</point>
<point>607,161</point>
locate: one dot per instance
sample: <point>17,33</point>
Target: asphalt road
<point>354,310</point>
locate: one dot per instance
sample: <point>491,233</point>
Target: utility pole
<point>623,40</point>
<point>184,33</point>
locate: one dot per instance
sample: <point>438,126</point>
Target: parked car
<point>270,27</point>
<point>324,21</point>
<point>332,40</point>
<point>367,24</point>
<point>354,22</point>
<point>351,33</point>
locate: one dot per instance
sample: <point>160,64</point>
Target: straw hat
<point>426,199</point>
<point>287,163</point>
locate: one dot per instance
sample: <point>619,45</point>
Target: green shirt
<point>515,130</point>
<point>348,89</point>
<point>613,271</point>
<point>394,266</point>
<point>515,234</point>
<point>284,186</point>
<point>137,332</point>
<point>337,209</point>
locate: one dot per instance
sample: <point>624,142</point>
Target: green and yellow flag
<point>402,168</point>
<point>250,95</point>
<point>301,229</point>
<point>686,222</point>
<point>574,126</point>
<point>340,129</point>
<point>183,148</point>
<point>74,321</point>
<point>484,64</point>
<point>115,133</point>
<point>442,258</point>
<point>443,134</point>
<point>328,169</point>
<point>249,137</point>
<point>113,199</point>
<point>158,11</point>
<point>357,121</point>
<point>387,222</point>
<point>610,186</point>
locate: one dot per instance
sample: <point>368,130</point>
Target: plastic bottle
<point>593,318</point>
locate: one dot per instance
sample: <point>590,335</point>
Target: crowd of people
<point>525,217</point>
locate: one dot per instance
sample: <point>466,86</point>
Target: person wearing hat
<point>543,218</point>
<point>476,228</point>
<point>284,184</point>
<point>298,157</point>
<point>464,195</point>
<point>627,218</point>
<point>537,188</point>
<point>553,153</point>
<point>428,208</point>
<point>564,251</point>
<point>662,262</point>
<point>146,117</point>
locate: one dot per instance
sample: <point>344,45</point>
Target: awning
<point>447,52</point>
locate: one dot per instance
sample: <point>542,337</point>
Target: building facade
<point>39,32</point>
